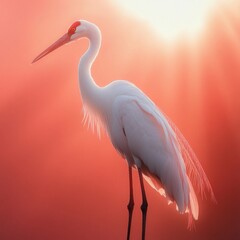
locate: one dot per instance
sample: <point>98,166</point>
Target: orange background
<point>57,180</point>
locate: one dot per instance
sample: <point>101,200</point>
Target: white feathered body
<point>142,134</point>
<point>147,139</point>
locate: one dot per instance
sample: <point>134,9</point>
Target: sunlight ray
<point>171,18</point>
<point>219,63</point>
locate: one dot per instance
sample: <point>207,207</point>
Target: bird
<point>143,135</point>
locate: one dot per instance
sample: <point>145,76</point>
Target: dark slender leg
<point>144,205</point>
<point>131,203</point>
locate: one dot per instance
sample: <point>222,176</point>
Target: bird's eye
<point>71,31</point>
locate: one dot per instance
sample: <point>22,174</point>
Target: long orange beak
<point>61,41</point>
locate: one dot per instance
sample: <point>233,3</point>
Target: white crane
<point>139,131</point>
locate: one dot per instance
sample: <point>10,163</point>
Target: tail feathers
<point>193,201</point>
<point>193,206</point>
<point>194,168</point>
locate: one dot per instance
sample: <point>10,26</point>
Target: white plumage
<point>139,131</point>
<point>143,136</point>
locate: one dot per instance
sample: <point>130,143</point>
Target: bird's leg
<point>144,205</point>
<point>131,202</point>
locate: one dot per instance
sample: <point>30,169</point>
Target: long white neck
<point>90,91</point>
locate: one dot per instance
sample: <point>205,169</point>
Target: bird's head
<point>77,30</point>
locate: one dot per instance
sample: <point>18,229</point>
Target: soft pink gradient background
<point>57,180</point>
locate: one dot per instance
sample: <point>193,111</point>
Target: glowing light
<point>171,17</point>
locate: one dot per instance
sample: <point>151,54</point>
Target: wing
<point>155,149</point>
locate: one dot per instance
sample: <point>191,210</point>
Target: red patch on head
<point>73,27</point>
